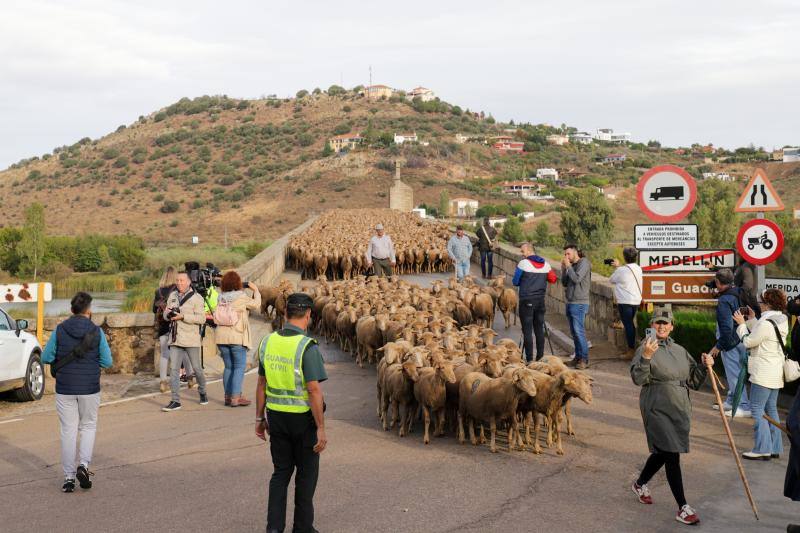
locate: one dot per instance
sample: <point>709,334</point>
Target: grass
<point>159,259</point>
<point>89,283</point>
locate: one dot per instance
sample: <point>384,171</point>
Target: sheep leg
<point>440,417</point>
<point>536,447</point>
<point>570,430</point>
<point>460,428</point>
<point>427,414</point>
<point>493,427</point>
<point>411,412</point>
<point>528,420</point>
<point>472,438</point>
<point>403,420</point>
<point>556,425</point>
<point>483,436</point>
<point>395,414</point>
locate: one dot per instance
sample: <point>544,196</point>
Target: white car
<point>21,368</point>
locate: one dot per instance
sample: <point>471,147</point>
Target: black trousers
<point>292,437</point>
<point>531,315</point>
<point>671,462</point>
<point>487,257</point>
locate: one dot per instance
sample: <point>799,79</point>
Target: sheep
<point>430,394</point>
<point>482,308</point>
<point>508,302</point>
<point>398,390</point>
<point>368,339</point>
<point>494,399</point>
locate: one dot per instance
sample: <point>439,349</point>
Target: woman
<point>233,333</point>
<point>665,371</point>
<point>791,488</point>
<point>793,308</point>
<point>165,286</point>
<point>627,281</point>
<point>765,366</point>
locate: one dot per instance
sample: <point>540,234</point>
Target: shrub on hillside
<point>342,128</point>
<point>169,206</point>
<point>110,153</point>
<point>335,90</point>
<point>160,116</point>
<point>302,93</point>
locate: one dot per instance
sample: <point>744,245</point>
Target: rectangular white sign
<point>24,292</point>
<point>665,236</point>
<point>788,285</point>
<point>685,260</point>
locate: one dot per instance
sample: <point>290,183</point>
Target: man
<point>486,243</point>
<point>532,275</point>
<point>576,276</point>
<point>627,281</point>
<point>186,314</point>
<point>380,251</point>
<point>728,342</point>
<point>289,376</point>
<point>77,350</point>
<point>459,248</point>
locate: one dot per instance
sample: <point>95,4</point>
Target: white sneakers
<point>687,515</point>
<point>753,456</point>
<point>740,413</point>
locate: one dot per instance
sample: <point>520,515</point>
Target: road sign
<point>759,195</point>
<point>665,287</point>
<point>666,193</point>
<point>760,241</point>
<point>665,236</point>
<point>685,260</point>
<point>25,292</point>
<point>788,285</point>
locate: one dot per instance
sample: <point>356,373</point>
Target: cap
<point>661,315</point>
<point>299,300</point>
<point>378,226</point>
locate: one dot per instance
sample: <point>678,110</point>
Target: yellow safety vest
<point>210,301</point>
<point>282,359</point>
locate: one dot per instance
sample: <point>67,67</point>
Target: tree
<point>10,258</point>
<point>334,90</point>
<point>444,203</point>
<point>541,235</point>
<point>302,93</point>
<point>587,220</point>
<point>32,246</point>
<point>512,231</point>
<point>717,224</point>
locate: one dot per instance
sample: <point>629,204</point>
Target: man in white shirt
<point>627,281</point>
<point>380,252</point>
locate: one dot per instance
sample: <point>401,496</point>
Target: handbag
<point>76,353</point>
<point>791,368</point>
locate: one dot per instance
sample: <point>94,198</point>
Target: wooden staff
<point>732,444</point>
<point>777,424</point>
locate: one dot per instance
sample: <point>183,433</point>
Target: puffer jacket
<point>765,364</point>
<point>188,329</point>
<point>239,333</point>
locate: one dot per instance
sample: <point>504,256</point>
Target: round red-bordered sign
<point>760,241</point>
<point>666,193</point>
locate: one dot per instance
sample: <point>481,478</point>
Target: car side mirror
<point>22,325</point>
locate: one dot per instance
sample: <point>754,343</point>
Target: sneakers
<point>239,401</point>
<point>725,407</point>
<point>203,398</point>
<point>753,456</point>
<point>164,386</point>
<point>643,492</point>
<point>172,406</point>
<point>83,477</point>
<point>687,515</point>
<point>68,486</point>
<point>740,413</point>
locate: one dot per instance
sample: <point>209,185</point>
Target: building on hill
<point>777,155</point>
<point>791,154</point>
<point>376,92</point>
<point>401,138</point>
<point>608,135</point>
<point>581,137</point>
<point>463,207</point>
<point>614,159</point>
<point>523,189</point>
<point>546,173</point>
<point>424,94</point>
<point>721,176</point>
<point>506,144</point>
<point>558,139</point>
<point>348,141</point>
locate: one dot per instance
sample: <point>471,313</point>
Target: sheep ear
<point>517,376</point>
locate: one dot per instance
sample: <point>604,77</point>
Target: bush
<point>302,93</point>
<point>160,116</point>
<point>342,128</point>
<point>110,153</point>
<point>121,162</point>
<point>169,206</point>
<point>335,90</point>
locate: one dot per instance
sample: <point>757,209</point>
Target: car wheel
<point>34,381</point>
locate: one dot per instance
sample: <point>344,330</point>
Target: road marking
<point>12,420</point>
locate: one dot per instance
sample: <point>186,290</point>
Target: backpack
<point>225,314</point>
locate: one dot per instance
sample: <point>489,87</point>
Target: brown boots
<point>239,401</point>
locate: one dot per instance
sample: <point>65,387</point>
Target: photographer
<point>186,314</point>
<point>627,281</point>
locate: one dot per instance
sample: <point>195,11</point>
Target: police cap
<point>299,300</point>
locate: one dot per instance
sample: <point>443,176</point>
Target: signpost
<point>788,285</point>
<point>666,193</point>
<point>30,293</point>
<point>665,236</point>
<point>760,241</point>
<point>759,196</point>
<point>669,287</point>
<point>685,260</point>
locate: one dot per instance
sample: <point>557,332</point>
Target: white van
<point>21,368</point>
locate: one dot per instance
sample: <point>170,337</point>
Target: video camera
<point>202,278</point>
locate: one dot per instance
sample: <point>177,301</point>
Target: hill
<point>256,168</point>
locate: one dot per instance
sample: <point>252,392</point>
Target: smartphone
<point>650,333</point>
<point>745,311</point>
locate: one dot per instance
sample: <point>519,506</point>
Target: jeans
<point>176,355</point>
<point>487,257</point>
<point>292,437</point>
<point>576,314</point>
<point>235,358</point>
<point>77,415</point>
<point>462,269</point>
<point>732,361</point>
<point>531,317</point>
<point>768,438</point>
<point>627,314</point>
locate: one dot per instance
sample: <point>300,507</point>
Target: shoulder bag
<point>791,368</point>
<point>492,243</point>
<point>76,353</point>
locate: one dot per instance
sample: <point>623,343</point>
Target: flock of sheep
<point>336,243</point>
<point>436,355</point>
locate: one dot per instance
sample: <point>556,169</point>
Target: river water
<point>102,302</point>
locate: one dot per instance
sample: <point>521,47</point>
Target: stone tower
<point>401,196</point>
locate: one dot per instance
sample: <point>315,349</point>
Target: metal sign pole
<point>760,280</point>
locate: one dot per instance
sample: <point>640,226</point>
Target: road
<point>202,469</point>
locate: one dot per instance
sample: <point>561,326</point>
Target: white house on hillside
<point>375,92</point>
<point>546,173</point>
<point>608,135</point>
<point>557,139</point>
<point>400,138</point>
<point>791,154</point>
<point>426,95</point>
<point>581,137</point>
<point>463,207</point>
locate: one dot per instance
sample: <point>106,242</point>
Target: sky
<point>681,72</point>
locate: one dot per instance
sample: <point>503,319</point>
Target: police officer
<point>290,372</point>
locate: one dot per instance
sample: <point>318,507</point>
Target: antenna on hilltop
<point>370,75</point>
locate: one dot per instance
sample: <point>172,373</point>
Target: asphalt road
<point>202,469</point>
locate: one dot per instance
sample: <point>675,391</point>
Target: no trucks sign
<point>677,287</point>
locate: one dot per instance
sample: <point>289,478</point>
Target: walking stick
<point>777,425</point>
<point>732,444</point>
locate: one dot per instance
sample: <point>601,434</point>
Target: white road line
<point>12,420</point>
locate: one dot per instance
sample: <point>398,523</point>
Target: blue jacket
<point>532,276</point>
<point>727,304</point>
<point>81,376</point>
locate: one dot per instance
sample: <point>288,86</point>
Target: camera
<point>172,312</point>
<point>710,284</point>
<point>202,278</point>
<point>608,261</point>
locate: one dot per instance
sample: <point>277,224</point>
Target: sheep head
<point>445,369</point>
<point>524,380</point>
<point>577,384</point>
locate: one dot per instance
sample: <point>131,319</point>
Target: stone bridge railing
<point>264,268</point>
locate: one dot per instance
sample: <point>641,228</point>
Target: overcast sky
<point>679,71</point>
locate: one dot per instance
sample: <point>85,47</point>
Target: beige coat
<point>240,333</point>
<point>765,363</point>
<point>194,315</point>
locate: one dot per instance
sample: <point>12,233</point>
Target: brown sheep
<point>368,339</point>
<point>429,391</point>
<point>482,308</point>
<point>493,399</point>
<point>398,392</point>
<point>507,303</point>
